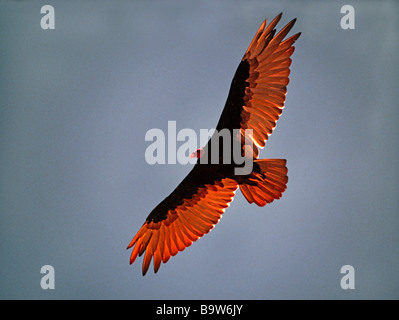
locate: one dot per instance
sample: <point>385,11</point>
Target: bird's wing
<point>257,92</point>
<point>188,213</point>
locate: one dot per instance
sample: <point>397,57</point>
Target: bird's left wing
<point>188,213</point>
<point>257,93</point>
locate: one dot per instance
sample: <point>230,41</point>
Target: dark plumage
<point>255,101</point>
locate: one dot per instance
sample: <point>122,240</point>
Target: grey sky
<point>77,101</point>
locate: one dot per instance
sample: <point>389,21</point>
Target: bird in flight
<point>255,102</point>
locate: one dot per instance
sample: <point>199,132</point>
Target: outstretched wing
<point>255,101</point>
<point>188,213</point>
<point>257,93</point>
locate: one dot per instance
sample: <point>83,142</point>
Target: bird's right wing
<point>188,213</point>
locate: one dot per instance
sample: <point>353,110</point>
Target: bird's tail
<point>267,181</point>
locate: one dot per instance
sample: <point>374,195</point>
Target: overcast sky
<point>77,101</point>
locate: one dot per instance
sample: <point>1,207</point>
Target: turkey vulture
<point>255,101</point>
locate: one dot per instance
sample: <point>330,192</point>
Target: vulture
<point>254,104</point>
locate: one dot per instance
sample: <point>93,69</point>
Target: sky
<point>76,103</point>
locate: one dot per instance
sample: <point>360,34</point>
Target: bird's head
<point>197,153</point>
